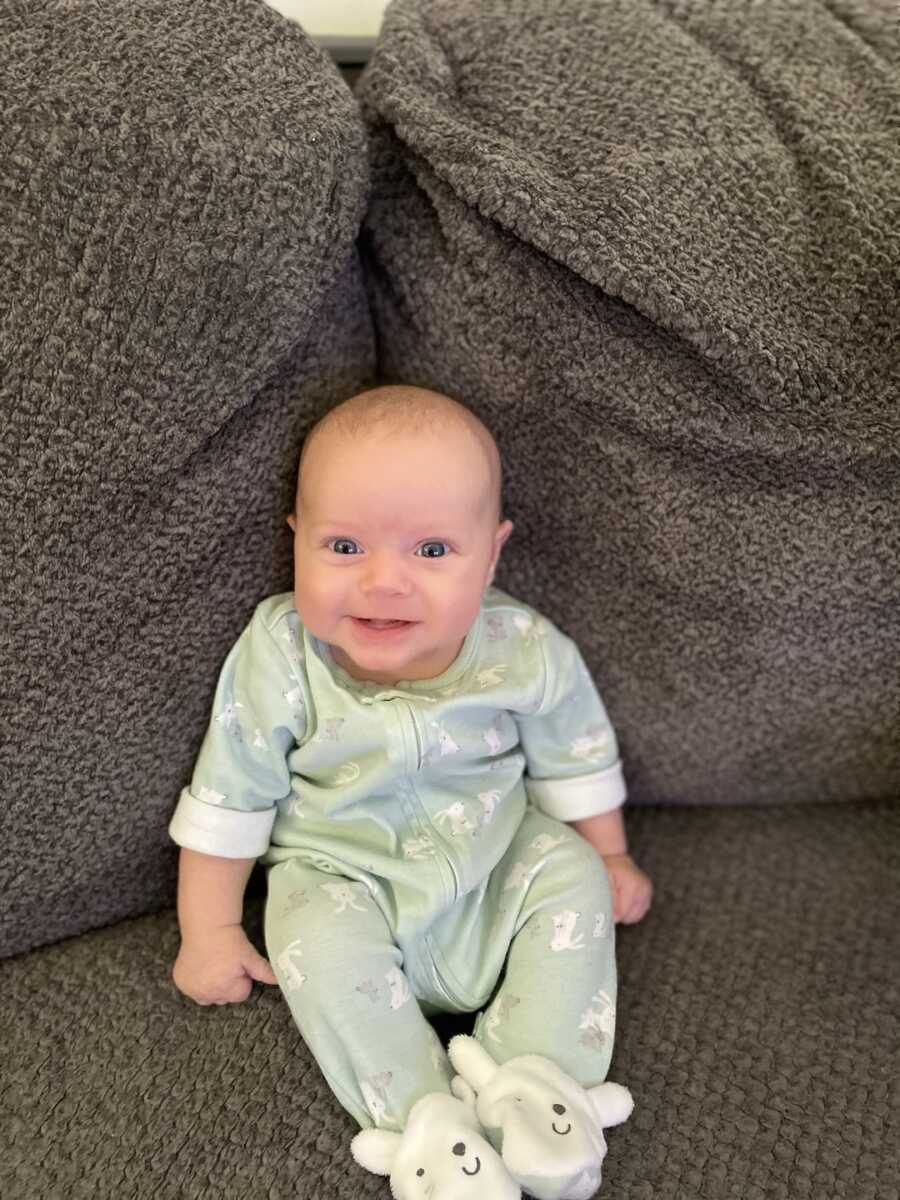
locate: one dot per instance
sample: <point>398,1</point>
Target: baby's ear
<point>292,521</point>
<point>375,1150</point>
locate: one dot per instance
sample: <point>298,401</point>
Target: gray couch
<point>654,246</point>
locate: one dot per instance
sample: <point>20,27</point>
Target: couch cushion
<point>654,246</point>
<point>758,1027</point>
<point>180,190</point>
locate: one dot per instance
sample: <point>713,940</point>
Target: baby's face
<point>399,529</point>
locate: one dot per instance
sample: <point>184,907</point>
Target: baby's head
<point>397,517</point>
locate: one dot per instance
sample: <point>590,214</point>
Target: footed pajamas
<point>417,855</point>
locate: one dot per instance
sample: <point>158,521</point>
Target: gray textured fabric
<point>180,190</point>
<point>655,246</point>
<point>758,1028</point>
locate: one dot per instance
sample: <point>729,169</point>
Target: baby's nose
<point>385,573</point>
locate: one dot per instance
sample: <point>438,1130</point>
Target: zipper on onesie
<point>415,724</point>
<point>419,759</point>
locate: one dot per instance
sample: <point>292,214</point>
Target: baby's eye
<point>428,549</point>
<point>336,542</point>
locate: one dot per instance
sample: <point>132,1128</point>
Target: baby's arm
<point>573,768</point>
<point>223,821</point>
<point>632,890</point>
<point>216,963</point>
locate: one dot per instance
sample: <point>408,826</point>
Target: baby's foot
<point>442,1154</point>
<point>547,1127</point>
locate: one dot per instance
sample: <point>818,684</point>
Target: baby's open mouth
<point>373,624</point>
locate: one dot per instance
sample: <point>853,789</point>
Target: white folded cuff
<point>579,796</point>
<point>225,832</point>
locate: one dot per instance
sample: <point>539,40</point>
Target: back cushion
<point>180,297</point>
<point>654,246</point>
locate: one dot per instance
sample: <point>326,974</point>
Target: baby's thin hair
<point>400,408</point>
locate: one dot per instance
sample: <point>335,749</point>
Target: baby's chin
<point>364,647</point>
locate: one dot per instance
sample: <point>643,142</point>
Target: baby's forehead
<point>395,510</point>
<point>426,473</point>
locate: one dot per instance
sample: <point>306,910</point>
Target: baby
<point>426,770</point>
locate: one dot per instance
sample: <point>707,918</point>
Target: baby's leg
<point>558,995</point>
<point>332,952</point>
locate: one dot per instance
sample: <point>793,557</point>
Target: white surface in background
<point>338,25</point>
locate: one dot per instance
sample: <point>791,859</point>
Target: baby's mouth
<point>381,624</point>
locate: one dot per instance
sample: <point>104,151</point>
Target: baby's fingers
<point>638,906</point>
<point>235,992</point>
<point>258,968</point>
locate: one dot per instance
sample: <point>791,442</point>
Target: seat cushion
<point>758,1027</point>
<point>654,246</point>
<point>180,297</point>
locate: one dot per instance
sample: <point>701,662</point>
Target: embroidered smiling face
<point>537,1119</point>
<point>546,1126</point>
<point>536,1105</point>
<point>560,1110</point>
<point>448,1172</point>
<point>441,1155</point>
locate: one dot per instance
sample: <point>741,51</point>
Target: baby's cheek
<point>315,593</point>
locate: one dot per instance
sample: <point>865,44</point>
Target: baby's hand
<point>631,889</point>
<point>219,966</point>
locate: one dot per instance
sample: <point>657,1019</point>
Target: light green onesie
<point>416,852</point>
